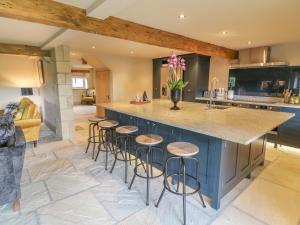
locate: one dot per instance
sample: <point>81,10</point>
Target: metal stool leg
<point>94,139</point>
<point>135,171</point>
<point>198,182</point>
<point>101,141</point>
<point>179,173</point>
<point>89,139</point>
<point>106,150</point>
<point>116,154</point>
<point>147,171</point>
<point>126,161</point>
<point>184,191</point>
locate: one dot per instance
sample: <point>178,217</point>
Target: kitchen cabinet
<point>157,63</point>
<point>197,74</point>
<point>286,134</point>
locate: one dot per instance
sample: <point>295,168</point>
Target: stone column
<point>65,127</point>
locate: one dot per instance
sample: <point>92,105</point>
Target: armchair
<point>11,166</point>
<point>88,97</point>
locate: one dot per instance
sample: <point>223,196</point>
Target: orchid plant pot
<point>175,97</point>
<point>175,82</point>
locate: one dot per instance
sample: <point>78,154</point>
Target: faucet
<point>213,83</point>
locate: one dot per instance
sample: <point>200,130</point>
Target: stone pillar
<point>65,127</point>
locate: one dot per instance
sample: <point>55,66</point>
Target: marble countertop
<point>277,104</point>
<point>234,124</point>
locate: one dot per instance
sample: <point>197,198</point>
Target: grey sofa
<point>11,166</point>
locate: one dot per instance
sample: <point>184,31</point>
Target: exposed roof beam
<point>61,15</point>
<point>22,50</point>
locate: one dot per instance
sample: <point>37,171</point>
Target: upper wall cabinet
<point>197,74</point>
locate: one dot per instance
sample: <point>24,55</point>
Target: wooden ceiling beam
<point>22,50</point>
<point>61,15</point>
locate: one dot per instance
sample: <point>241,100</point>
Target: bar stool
<point>106,138</point>
<point>93,127</point>
<point>122,141</point>
<point>149,143</point>
<point>183,151</point>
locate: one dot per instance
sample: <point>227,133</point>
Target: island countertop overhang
<point>238,125</point>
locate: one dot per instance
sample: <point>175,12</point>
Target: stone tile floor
<point>61,185</point>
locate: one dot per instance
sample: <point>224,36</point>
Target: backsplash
<point>264,82</point>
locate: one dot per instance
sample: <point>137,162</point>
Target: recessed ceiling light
<point>249,42</point>
<point>131,52</point>
<point>93,46</point>
<point>181,16</point>
<point>224,32</point>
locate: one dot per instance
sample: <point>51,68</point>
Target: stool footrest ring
<point>167,186</point>
<point>151,177</point>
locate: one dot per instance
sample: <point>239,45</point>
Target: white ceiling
<point>20,32</point>
<point>84,4</point>
<point>83,42</point>
<point>263,22</point>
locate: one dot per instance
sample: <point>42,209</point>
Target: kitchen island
<point>231,140</point>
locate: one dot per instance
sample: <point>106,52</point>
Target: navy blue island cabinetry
<point>223,164</point>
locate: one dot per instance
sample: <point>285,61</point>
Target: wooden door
<point>102,86</point>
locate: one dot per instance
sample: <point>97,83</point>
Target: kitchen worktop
<point>274,104</point>
<point>238,125</point>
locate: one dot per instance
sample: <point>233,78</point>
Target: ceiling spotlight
<point>181,16</point>
<point>249,42</point>
<point>131,52</point>
<point>224,32</point>
<point>93,46</point>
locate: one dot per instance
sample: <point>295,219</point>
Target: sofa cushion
<point>90,92</point>
<point>28,123</point>
<point>19,114</point>
<point>29,112</point>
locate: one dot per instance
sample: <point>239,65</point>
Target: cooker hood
<point>255,58</point>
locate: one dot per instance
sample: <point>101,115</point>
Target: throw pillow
<point>89,92</point>
<point>10,107</point>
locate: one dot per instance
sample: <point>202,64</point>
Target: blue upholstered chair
<point>11,166</point>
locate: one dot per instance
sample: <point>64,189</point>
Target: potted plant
<point>176,84</point>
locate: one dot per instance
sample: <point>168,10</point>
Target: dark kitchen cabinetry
<point>287,133</point>
<point>197,74</point>
<point>223,164</point>
<point>157,63</point>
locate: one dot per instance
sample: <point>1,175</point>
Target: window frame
<point>85,83</point>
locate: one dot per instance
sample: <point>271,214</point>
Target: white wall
<point>18,71</point>
<point>13,94</point>
<point>287,52</point>
<point>129,75</point>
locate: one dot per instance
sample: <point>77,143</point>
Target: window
<point>79,83</point>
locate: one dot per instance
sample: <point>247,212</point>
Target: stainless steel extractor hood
<point>255,58</point>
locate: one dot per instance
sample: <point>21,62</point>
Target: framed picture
<point>41,71</point>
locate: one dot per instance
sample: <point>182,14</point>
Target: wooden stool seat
<point>127,129</point>
<point>149,139</point>
<point>95,120</point>
<point>108,124</point>
<point>182,149</point>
